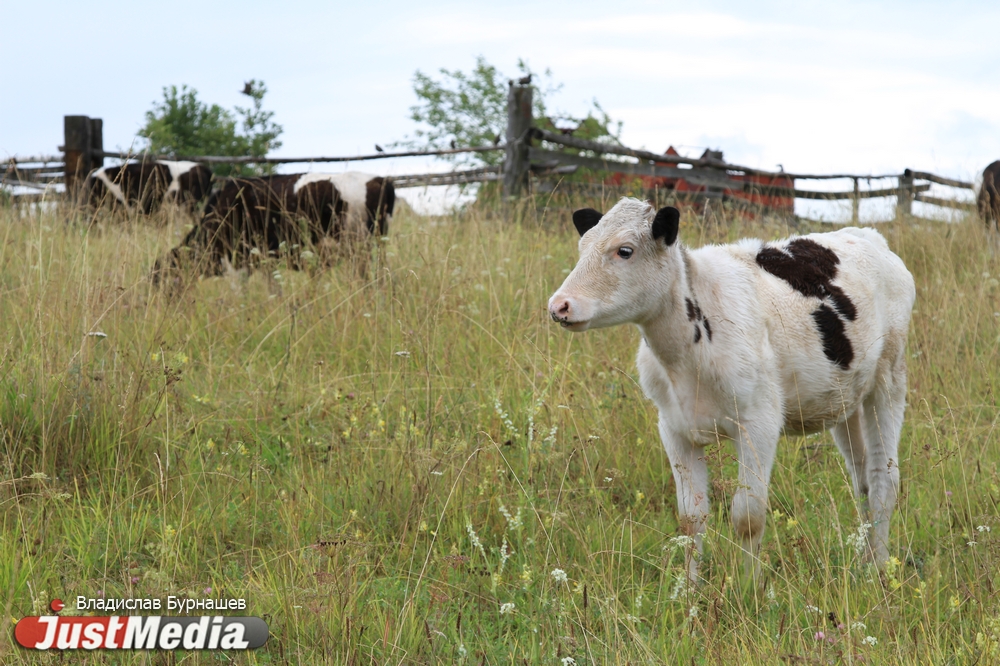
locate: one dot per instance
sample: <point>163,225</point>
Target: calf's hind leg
<point>883,421</point>
<point>850,439</point>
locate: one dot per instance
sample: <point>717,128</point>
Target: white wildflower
<point>870,640</point>
<point>858,626</point>
<point>504,417</point>
<point>679,541</point>
<point>859,540</point>
<point>812,609</point>
<point>680,587</point>
<point>693,611</point>
<point>507,608</point>
<point>568,661</point>
<point>505,553</point>
<point>559,575</point>
<point>513,522</point>
<point>474,539</point>
<point>983,528</point>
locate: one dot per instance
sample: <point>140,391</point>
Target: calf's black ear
<point>666,223</point>
<point>586,219</point>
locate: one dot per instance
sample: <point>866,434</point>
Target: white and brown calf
<point>250,218</point>
<point>749,340</point>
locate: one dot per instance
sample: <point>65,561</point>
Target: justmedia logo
<point>151,632</point>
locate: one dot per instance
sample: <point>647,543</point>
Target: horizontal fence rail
<point>709,179</point>
<point>946,203</point>
<point>44,159</point>
<point>481,175</point>
<point>528,151</point>
<point>753,188</point>
<point>598,147</point>
<point>923,175</point>
<point>223,159</point>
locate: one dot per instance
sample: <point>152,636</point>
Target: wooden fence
<point>528,152</point>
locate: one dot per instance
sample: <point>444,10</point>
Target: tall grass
<point>421,467</point>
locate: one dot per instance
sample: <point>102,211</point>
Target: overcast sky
<point>856,87</point>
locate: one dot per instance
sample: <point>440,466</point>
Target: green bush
<point>181,125</point>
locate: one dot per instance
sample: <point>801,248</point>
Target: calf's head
<point>627,257</point>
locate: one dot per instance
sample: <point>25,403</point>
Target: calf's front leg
<point>687,462</point>
<point>756,444</point>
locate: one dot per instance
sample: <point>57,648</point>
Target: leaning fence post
<point>854,202</point>
<point>516,161</point>
<point>904,197</point>
<point>76,147</point>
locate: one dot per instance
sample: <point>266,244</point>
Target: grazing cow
<point>149,184</point>
<point>988,200</point>
<point>749,340</point>
<point>251,217</point>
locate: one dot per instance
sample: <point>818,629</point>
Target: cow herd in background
<point>311,218</point>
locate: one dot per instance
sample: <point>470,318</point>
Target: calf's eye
<point>624,252</point>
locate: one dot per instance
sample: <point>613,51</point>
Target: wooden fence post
<point>904,199</point>
<point>96,143</point>
<point>76,147</point>
<point>516,163</point>
<point>855,202</point>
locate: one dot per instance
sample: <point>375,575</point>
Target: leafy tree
<point>470,109</point>
<point>182,125</point>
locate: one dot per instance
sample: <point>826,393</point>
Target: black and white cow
<point>146,185</point>
<point>988,200</point>
<point>252,218</point>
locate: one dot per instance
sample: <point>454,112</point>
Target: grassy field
<point>424,469</point>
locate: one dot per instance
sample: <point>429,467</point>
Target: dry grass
<point>378,467</point>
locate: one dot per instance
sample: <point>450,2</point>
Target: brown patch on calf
<point>836,346</point>
<point>810,268</point>
<point>694,314</point>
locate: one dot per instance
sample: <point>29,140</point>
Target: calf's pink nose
<point>559,309</point>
